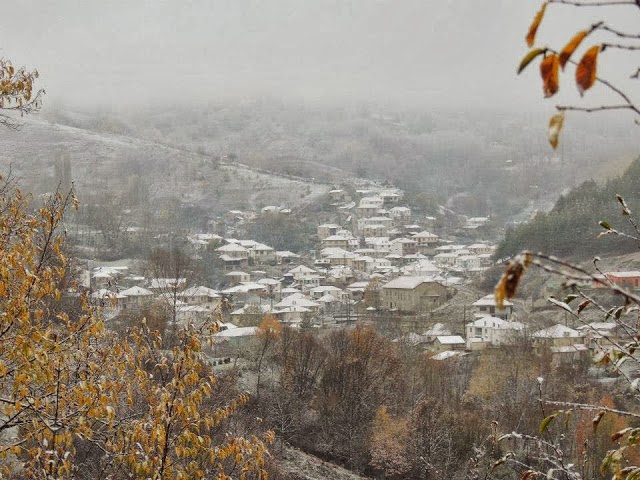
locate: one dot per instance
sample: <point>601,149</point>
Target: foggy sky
<point>424,52</point>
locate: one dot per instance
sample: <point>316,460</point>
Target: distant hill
<point>118,169</point>
<point>499,162</point>
<point>571,228</point>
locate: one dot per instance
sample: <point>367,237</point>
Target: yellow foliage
<point>67,381</point>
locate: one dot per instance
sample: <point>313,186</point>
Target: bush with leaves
<point>79,401</point>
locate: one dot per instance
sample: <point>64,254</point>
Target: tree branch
<point>603,3</point>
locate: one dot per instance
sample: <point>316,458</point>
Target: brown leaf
<point>533,28</point>
<point>549,70</point>
<point>570,47</point>
<point>555,126</point>
<point>586,71</point>
<point>508,284</point>
<point>596,419</point>
<point>583,305</point>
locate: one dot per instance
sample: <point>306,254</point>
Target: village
<point>375,264</point>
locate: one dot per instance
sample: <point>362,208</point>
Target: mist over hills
<point>486,162</point>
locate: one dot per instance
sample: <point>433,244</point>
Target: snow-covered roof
<point>425,234</point>
<point>448,354</point>
<point>296,299</point>
<point>450,340</point>
<point>237,332</point>
<point>166,282</point>
<point>557,331</point>
<point>407,282</point>
<point>231,247</point>
<point>336,238</point>
<point>253,309</point>
<point>301,269</point>
<point>269,281</point>
<point>136,292</point>
<point>327,298</point>
<point>103,293</point>
<point>199,291</point>
<point>490,301</point>
<point>495,322</point>
<point>436,330</point>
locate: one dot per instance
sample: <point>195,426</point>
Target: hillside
<point>134,172</point>
<point>485,162</point>
<point>571,228</point>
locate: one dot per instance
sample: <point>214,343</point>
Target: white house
<point>493,331</point>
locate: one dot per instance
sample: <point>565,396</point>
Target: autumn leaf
<point>508,283</point>
<point>555,126</point>
<point>533,28</point>
<point>526,60</point>
<point>586,71</point>
<point>549,70</point>
<point>570,47</point>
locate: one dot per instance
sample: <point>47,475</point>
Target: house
<point>427,242</point>
<point>374,230</point>
<point>492,331</point>
<point>135,297</point>
<point>301,271</point>
<point>299,300</point>
<point>108,299</point>
<point>186,314</point>
<point>400,215</point>
<point>285,256</point>
<point>486,306</point>
<point>204,296</point>
<point>327,230</point>
<point>413,294</point>
<point>376,220</point>
<point>627,279</point>
<point>251,314</point>
<point>336,241</point>
<point>261,253</point>
<point>237,277</point>
<point>481,249</point>
<point>233,256</point>
<point>600,335</point>
<point>403,246</point>
<point>389,197</point>
<point>468,263</point>
<point>380,245</point>
<point>322,290</point>
<point>557,336</point>
<point>366,210</point>
<point>447,342</point>
<point>247,293</point>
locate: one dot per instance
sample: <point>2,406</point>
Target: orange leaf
<point>586,71</point>
<point>570,47</point>
<point>533,28</point>
<point>549,69</point>
<point>555,126</point>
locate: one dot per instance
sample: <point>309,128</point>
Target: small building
<point>427,242</point>
<point>486,306</point>
<point>200,295</point>
<point>448,342</point>
<point>557,336</point>
<point>492,331</point>
<point>327,230</point>
<point>413,294</point>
